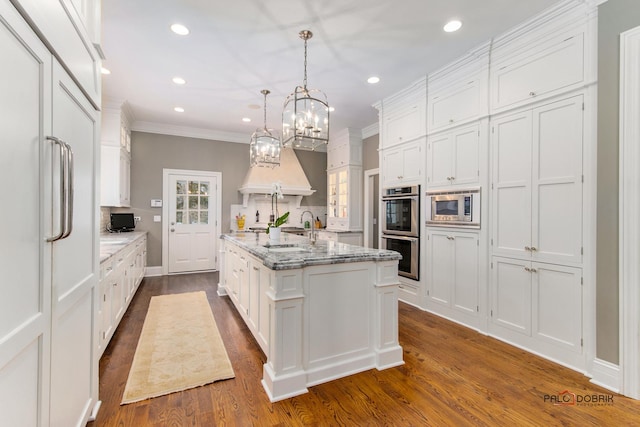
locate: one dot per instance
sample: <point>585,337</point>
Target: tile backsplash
<point>105,217</point>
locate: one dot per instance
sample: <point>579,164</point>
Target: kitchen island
<point>319,311</point>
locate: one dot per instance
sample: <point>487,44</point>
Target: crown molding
<point>189,132</point>
<point>372,129</point>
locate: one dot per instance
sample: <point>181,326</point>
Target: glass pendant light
<point>305,118</point>
<point>264,147</point>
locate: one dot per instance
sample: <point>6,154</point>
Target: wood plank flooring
<point>451,376</point>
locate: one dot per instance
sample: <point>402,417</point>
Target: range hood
<point>289,174</point>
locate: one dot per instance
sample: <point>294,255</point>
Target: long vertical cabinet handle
<point>63,187</point>
<point>70,190</point>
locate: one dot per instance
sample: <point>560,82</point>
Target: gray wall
<point>151,153</point>
<point>370,159</point>
<point>614,17</point>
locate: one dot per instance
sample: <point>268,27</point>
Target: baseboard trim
<point>153,271</point>
<point>606,374</point>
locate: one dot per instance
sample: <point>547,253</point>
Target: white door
<point>25,284</point>
<point>74,373</point>
<point>192,225</point>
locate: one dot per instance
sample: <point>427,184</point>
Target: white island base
<point>315,321</point>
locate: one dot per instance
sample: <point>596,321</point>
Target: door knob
<point>173,229</point>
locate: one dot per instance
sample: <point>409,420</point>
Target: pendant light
<point>305,118</point>
<point>264,147</point>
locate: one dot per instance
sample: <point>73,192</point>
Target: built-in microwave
<point>454,208</point>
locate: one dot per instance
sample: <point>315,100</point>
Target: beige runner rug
<point>179,348</point>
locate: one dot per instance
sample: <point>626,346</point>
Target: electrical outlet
<point>137,218</point>
<point>157,218</point>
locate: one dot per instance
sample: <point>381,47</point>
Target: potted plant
<point>273,228</point>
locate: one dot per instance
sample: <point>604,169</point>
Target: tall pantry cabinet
<point>49,249</point>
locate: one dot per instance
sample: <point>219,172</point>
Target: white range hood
<point>289,174</point>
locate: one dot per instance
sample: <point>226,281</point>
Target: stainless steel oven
<point>401,211</point>
<point>409,248</point>
<point>454,208</point>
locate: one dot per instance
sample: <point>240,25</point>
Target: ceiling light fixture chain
<point>305,35</point>
<point>265,92</point>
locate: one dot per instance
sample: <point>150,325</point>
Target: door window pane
<point>204,217</point>
<point>193,217</point>
<point>193,187</point>
<point>179,217</point>
<point>180,202</point>
<point>204,188</point>
<point>181,187</point>
<point>193,202</point>
<point>204,202</point>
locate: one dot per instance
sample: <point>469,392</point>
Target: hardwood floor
<point>451,376</point>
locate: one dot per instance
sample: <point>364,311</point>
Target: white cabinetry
<point>344,182</point>
<point>453,157</point>
<point>453,285</point>
<point>458,92</point>
<point>120,277</point>
<point>544,62</point>
<point>403,115</point>
<point>539,306</point>
<point>537,183</point>
<point>116,159</point>
<point>403,165</point>
<point>48,364</point>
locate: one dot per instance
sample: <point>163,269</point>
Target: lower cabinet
<point>538,306</point>
<point>247,281</point>
<point>453,275</point>
<point>120,276</point>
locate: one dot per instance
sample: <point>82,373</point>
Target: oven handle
<point>410,239</point>
<point>404,196</point>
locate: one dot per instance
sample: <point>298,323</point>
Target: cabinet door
<point>465,169</point>
<point>25,305</point>
<point>254,295</point>
<point>74,260</point>
<point>243,288</point>
<point>511,184</point>
<point>412,161</point>
<point>264,316</point>
<point>392,167</point>
<point>441,152</point>
<point>454,105</point>
<point>465,273</point>
<point>541,70</point>
<point>557,182</point>
<point>125,178</point>
<point>511,294</point>
<point>404,124</point>
<point>441,271</point>
<point>557,305</point>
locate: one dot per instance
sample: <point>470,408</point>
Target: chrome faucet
<point>312,233</point>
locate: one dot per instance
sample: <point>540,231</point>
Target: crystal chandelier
<point>305,118</point>
<point>264,147</point>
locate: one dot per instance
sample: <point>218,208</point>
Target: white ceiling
<point>236,48</point>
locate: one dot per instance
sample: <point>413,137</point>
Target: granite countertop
<point>297,252</point>
<point>111,243</point>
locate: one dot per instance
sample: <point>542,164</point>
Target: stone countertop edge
<point>321,253</point>
<point>107,250</point>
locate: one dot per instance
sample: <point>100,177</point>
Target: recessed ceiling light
<point>246,119</point>
<point>180,29</point>
<point>331,109</point>
<point>178,109</point>
<point>105,71</point>
<point>452,26</point>
<point>373,80</point>
<point>179,80</point>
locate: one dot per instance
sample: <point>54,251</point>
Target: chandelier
<point>264,147</point>
<point>305,118</point>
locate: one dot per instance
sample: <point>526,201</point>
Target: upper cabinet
<point>453,157</point>
<point>115,180</point>
<point>403,165</point>
<point>549,58</point>
<point>344,181</point>
<point>403,115</point>
<point>72,29</point>
<point>345,149</point>
<point>457,93</point>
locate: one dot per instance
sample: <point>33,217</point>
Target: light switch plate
<point>157,218</point>
<point>156,203</point>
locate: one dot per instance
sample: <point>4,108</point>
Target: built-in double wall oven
<point>400,228</point>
